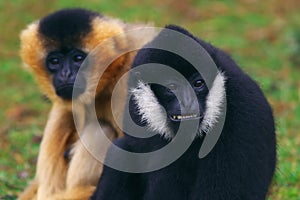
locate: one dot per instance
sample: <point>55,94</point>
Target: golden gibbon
<point>53,49</point>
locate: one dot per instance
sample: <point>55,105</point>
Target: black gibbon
<point>241,164</point>
<point>53,49</point>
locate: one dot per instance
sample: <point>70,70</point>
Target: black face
<point>185,107</point>
<point>64,67</point>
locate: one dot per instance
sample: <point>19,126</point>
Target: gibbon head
<point>54,48</point>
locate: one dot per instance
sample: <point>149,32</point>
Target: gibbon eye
<point>78,58</point>
<point>199,83</point>
<point>172,86</point>
<point>54,61</point>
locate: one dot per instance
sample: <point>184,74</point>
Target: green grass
<point>263,37</point>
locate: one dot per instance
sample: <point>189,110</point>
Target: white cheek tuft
<point>214,101</point>
<point>150,110</point>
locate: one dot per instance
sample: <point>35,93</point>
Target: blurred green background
<point>262,36</point>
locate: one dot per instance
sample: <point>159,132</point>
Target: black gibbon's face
<point>64,66</point>
<point>185,107</point>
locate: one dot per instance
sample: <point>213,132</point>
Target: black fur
<point>67,26</point>
<point>240,166</point>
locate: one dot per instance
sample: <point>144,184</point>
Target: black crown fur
<point>60,25</point>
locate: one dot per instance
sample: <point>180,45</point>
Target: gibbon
<point>53,49</point>
<point>241,164</point>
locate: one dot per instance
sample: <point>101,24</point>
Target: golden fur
<point>56,177</point>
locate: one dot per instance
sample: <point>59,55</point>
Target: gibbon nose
<point>66,76</point>
<point>191,108</point>
<point>65,73</point>
<point>188,104</point>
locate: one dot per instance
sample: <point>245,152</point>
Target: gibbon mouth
<point>66,91</point>
<point>178,118</point>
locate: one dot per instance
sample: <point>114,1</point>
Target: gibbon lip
<point>185,117</point>
<point>66,91</point>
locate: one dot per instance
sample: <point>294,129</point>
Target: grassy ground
<point>263,36</point>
